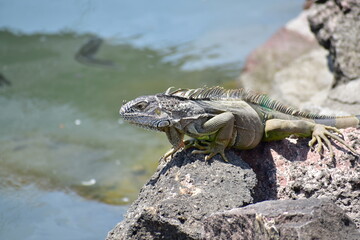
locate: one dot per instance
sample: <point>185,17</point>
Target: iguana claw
<point>321,134</point>
<point>171,152</point>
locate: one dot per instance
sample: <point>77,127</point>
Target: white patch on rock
<point>300,25</point>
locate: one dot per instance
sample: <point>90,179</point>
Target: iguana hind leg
<point>276,129</point>
<point>321,134</point>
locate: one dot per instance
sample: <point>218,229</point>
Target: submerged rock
<point>4,81</point>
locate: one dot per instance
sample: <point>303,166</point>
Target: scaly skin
<point>217,119</point>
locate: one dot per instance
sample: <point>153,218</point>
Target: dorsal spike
<point>219,93</point>
<point>168,91</point>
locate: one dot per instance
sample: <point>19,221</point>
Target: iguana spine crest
<point>219,93</point>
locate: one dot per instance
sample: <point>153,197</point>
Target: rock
<point>282,219</point>
<point>4,81</point>
<point>293,68</point>
<point>290,42</point>
<point>345,97</point>
<point>287,169</point>
<point>336,24</point>
<point>297,85</point>
<point>178,197</point>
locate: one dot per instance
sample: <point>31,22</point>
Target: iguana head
<point>147,112</point>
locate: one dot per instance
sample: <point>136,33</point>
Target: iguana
<point>218,118</point>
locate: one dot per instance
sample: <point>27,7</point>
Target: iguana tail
<point>340,122</point>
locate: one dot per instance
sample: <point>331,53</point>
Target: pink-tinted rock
<point>290,42</point>
<point>290,170</point>
<point>292,67</point>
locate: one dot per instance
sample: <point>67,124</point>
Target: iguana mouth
<point>156,125</point>
<point>147,127</point>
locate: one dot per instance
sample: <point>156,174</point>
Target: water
<point>32,215</point>
<point>67,66</point>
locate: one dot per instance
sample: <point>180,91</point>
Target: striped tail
<point>340,122</point>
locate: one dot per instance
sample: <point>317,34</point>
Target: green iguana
<point>218,118</point>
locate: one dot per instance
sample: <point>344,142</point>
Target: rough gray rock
<point>174,203</point>
<point>336,24</point>
<point>283,219</point>
<point>4,81</point>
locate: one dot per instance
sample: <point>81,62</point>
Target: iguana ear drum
<point>163,123</point>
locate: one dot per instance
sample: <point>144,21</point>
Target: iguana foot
<point>321,134</point>
<point>171,152</point>
<point>209,148</point>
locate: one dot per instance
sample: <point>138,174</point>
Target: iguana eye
<point>141,105</point>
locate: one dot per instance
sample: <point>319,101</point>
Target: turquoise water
<point>68,165</point>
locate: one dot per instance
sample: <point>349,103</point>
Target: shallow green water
<point>61,116</point>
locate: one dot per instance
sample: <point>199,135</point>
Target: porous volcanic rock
<point>182,192</point>
<point>288,169</point>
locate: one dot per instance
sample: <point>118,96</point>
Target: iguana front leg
<point>221,126</point>
<point>176,139</point>
<point>276,129</point>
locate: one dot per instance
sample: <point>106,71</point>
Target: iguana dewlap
<point>218,118</point>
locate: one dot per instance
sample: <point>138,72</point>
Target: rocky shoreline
<point>279,190</point>
<point>311,63</point>
<point>311,197</point>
